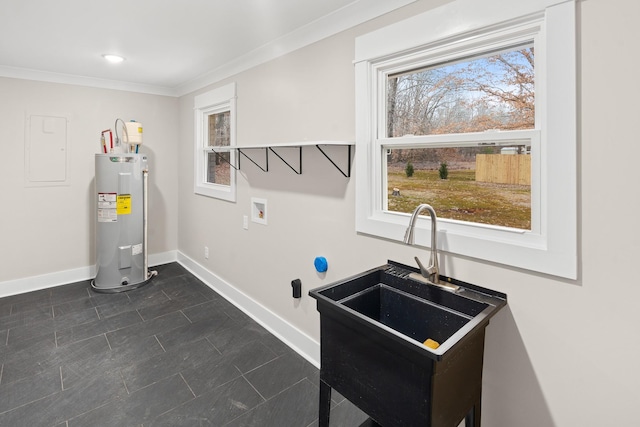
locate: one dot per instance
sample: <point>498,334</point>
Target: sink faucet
<point>431,272</point>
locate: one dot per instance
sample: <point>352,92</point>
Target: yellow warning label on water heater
<point>123,206</point>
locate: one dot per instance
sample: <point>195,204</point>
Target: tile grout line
<point>265,363</point>
<point>188,386</point>
<point>183,313</point>
<point>228,382</point>
<point>249,382</point>
<point>252,409</point>
<point>180,311</point>
<point>97,407</point>
<point>108,343</point>
<point>212,345</point>
<point>161,346</point>
<point>27,403</point>
<point>61,379</point>
<point>124,382</point>
<point>258,405</point>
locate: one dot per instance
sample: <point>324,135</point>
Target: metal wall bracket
<point>346,175</point>
<point>266,157</point>
<point>220,156</point>
<point>299,170</point>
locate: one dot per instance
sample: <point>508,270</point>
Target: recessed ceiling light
<point>114,59</point>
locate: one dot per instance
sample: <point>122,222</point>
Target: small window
<point>219,168</point>
<point>215,135</point>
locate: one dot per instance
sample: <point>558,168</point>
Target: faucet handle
<point>430,272</point>
<point>423,270</point>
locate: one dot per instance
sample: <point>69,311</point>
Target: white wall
<point>52,229</point>
<point>563,353</point>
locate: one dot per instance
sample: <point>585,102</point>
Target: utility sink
<point>386,299</point>
<point>373,329</point>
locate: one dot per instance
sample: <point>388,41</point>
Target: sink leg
<point>473,417</point>
<point>325,404</point>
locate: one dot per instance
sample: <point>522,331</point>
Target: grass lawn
<point>461,197</point>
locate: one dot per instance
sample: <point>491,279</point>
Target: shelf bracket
<point>348,173</point>
<point>266,158</point>
<point>299,170</point>
<point>220,156</point>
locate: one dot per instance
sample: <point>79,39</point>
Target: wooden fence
<point>504,168</point>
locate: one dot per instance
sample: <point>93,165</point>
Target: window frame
<point>206,104</point>
<point>455,30</point>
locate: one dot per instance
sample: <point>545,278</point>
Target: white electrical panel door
<point>46,150</point>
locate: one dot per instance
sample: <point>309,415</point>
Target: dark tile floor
<point>172,353</point>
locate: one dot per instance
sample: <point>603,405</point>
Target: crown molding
<point>356,13</point>
<point>72,79</point>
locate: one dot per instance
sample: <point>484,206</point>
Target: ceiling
<point>171,47</point>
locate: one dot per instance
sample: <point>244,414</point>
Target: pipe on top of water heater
<point>132,136</point>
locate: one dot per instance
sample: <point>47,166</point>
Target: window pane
<point>219,134</point>
<point>483,93</point>
<point>220,129</point>
<point>481,184</point>
<point>218,168</point>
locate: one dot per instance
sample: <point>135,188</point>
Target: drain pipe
<point>145,213</point>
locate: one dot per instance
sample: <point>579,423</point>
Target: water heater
<point>121,222</point>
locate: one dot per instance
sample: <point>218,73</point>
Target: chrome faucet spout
<point>431,272</point>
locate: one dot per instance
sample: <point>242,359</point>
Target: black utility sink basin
<point>411,316</point>
<point>387,300</point>
<point>373,331</point>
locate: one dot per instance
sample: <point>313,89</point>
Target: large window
<point>215,131</point>
<point>477,118</point>
<point>479,181</point>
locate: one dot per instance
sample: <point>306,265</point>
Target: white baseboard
<point>300,342</point>
<point>163,258</point>
<point>50,280</point>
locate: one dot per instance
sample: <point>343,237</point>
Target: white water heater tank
<point>121,222</point>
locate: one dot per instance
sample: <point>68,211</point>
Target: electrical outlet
<point>206,252</point>
<point>245,222</point>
